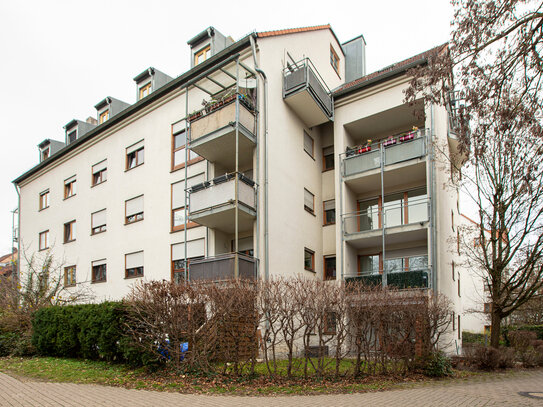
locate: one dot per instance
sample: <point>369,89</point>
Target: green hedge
<point>90,331</point>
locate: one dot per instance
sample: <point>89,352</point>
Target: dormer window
<point>45,153</point>
<point>145,90</point>
<point>104,116</point>
<point>72,136</point>
<point>202,55</point>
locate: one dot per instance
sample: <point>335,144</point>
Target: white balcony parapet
<point>221,191</point>
<point>394,149</point>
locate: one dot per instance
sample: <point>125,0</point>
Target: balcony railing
<point>416,211</point>
<point>400,280</point>
<point>303,76</point>
<point>223,267</point>
<point>394,149</point>
<point>220,192</point>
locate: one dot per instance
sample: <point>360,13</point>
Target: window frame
<point>334,60</point>
<point>70,187</point>
<point>324,211</point>
<point>143,88</point>
<point>138,218</point>
<point>180,148</point>
<point>136,157</point>
<point>68,136</point>
<point>140,270</point>
<point>44,196</point>
<point>324,258</point>
<point>102,173</point>
<point>307,209</point>
<point>72,282</point>
<point>104,116</point>
<point>312,153</point>
<point>69,231</point>
<point>312,254</point>
<point>103,228</point>
<point>324,167</point>
<point>328,327</point>
<point>45,233</point>
<point>203,52</point>
<point>45,153</point>
<point>175,210</point>
<point>94,280</point>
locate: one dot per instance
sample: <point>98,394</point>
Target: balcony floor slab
<point>223,218</point>
<point>393,235</point>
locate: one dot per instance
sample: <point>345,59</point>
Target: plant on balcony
<point>390,141</point>
<point>409,135</point>
<point>195,115</point>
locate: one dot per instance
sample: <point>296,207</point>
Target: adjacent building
<point>275,155</point>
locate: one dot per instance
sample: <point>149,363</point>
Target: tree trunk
<point>495,330</point>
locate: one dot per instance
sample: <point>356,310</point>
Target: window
<point>452,220</point>
<point>453,319</point>
<point>44,240</point>
<point>69,231</point>
<point>99,270</point>
<point>133,209</point>
<point>72,136</point>
<point>328,158</point>
<point>44,200</point>
<point>459,286</point>
<point>330,321</point>
<point>178,202</point>
<point>133,265</point>
<point>202,55</point>
<point>370,264</point>
<point>99,172</point>
<point>178,152</point>
<point>308,144</point>
<point>134,155</point>
<point>487,307</point>
<point>329,212</point>
<point>330,268</point>
<point>145,90</point>
<point>459,330</point>
<point>69,276</point>
<point>334,60</point>
<point>309,259</point>
<point>309,201</point>
<point>45,153</point>
<point>104,116</point>
<point>98,222</point>
<point>487,329</point>
<point>195,250</point>
<point>453,275</point>
<point>458,241</point>
<point>69,187</point>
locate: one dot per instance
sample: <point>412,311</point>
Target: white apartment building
<point>275,155</point>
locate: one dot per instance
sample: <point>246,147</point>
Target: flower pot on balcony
<point>389,142</point>
<point>195,115</point>
<point>407,137</point>
<point>364,149</point>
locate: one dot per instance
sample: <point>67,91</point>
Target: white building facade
<point>299,164</point>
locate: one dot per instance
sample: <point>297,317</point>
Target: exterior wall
<point>291,169</point>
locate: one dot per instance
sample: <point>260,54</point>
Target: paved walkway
<point>482,391</point>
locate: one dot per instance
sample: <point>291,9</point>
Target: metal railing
<point>416,211</point>
<point>303,74</point>
<point>397,279</point>
<point>398,148</point>
<point>222,267</point>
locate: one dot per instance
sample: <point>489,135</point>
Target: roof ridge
<point>292,30</point>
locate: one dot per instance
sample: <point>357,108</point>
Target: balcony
<point>402,222</point>
<point>223,267</point>
<point>404,160</point>
<point>213,132</point>
<point>306,93</point>
<point>399,280</point>
<point>212,203</point>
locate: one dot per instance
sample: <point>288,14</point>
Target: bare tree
<point>493,62</point>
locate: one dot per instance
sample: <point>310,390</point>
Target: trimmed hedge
<point>89,331</point>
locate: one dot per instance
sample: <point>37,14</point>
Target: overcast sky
<point>59,58</point>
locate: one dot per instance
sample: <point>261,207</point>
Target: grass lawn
<point>84,371</point>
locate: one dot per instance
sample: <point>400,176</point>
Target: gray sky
<point>59,58</point>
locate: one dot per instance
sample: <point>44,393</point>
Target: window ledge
<point>42,209</point>
<point>309,211</point>
<point>70,285</point>
<point>136,166</point>
<point>97,233</point>
<point>328,224</point>
<point>328,169</point>
<point>68,197</point>
<point>98,281</point>
<point>69,241</point>
<point>132,277</point>
<point>98,183</point>
<point>44,249</point>
<point>134,221</point>
<point>311,271</point>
